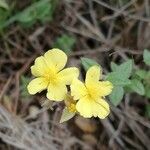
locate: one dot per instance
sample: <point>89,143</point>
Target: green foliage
<point>41,11</point>
<point>114,66</point>
<point>3,4</point>
<point>5,11</point>
<point>146,57</point>
<point>23,86</point>
<point>38,11</point>
<point>66,115</point>
<point>65,42</point>
<point>139,83</point>
<point>3,16</point>
<point>120,73</point>
<point>116,95</point>
<point>137,86</point>
<point>87,63</point>
<point>147,90</point>
<point>125,69</point>
<point>141,73</point>
<point>124,79</point>
<point>119,78</point>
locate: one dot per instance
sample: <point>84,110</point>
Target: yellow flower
<point>49,75</point>
<point>91,95</point>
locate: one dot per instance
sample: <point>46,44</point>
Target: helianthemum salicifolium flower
<point>50,75</point>
<point>91,94</point>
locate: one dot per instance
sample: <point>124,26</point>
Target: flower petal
<point>100,108</point>
<point>37,85</point>
<point>39,68</point>
<point>56,92</point>
<point>67,75</point>
<point>88,107</point>
<point>56,58</point>
<point>84,107</point>
<point>78,89</point>
<point>105,88</point>
<point>92,75</point>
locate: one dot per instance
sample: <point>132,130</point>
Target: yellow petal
<point>105,88</point>
<point>39,68</point>
<point>84,107</point>
<point>37,85</point>
<point>88,107</point>
<point>56,58</point>
<point>56,92</point>
<point>100,108</point>
<point>94,90</point>
<point>67,75</point>
<point>78,89</point>
<point>93,75</point>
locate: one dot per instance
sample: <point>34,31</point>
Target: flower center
<point>92,92</point>
<point>51,76</point>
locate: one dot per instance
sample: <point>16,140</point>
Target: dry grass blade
<point>5,87</point>
<point>125,13</point>
<point>29,136</point>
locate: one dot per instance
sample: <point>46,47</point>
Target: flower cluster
<point>87,99</point>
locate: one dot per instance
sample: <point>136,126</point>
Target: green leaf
<point>87,63</point>
<point>37,11</point>
<point>114,66</point>
<point>66,115</point>
<point>65,42</point>
<point>120,73</point>
<point>117,79</point>
<point>3,16</point>
<point>41,10</point>
<point>125,69</point>
<point>141,73</point>
<point>26,17</point>
<point>3,4</point>
<point>23,87</point>
<point>146,57</point>
<point>148,76</point>
<point>137,86</point>
<point>147,110</point>
<point>117,95</point>
<point>147,91</point>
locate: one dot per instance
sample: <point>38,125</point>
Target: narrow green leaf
<point>146,57</point>
<point>23,86</point>
<point>137,86</point>
<point>117,95</point>
<point>87,63</point>
<point>41,11</point>
<point>65,42</point>
<point>38,10</point>
<point>147,91</point>
<point>66,115</point>
<point>117,79</point>
<point>3,4</point>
